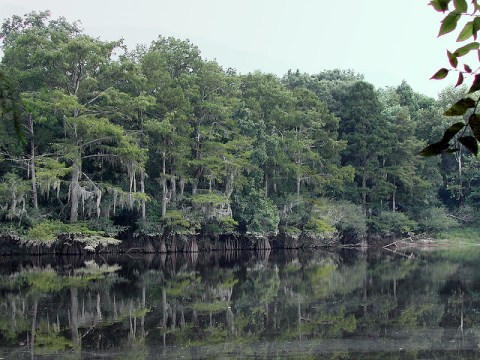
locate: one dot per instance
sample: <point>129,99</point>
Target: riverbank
<point>68,244</point>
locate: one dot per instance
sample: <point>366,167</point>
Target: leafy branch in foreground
<point>466,133</point>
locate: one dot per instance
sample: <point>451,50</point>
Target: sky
<point>385,40</point>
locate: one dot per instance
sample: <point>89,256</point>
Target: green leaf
<point>476,27</point>
<point>440,74</point>
<point>440,5</point>
<point>452,58</point>
<point>460,5</point>
<point>466,32</point>
<point>434,149</point>
<point>476,85</point>
<point>460,108</point>
<point>474,122</point>
<point>470,143</point>
<point>464,50</point>
<point>449,23</point>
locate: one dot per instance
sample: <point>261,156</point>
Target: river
<point>268,305</point>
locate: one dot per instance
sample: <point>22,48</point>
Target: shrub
<point>47,232</point>
<point>391,223</point>
<point>436,219</point>
<point>257,214</point>
<point>352,221</point>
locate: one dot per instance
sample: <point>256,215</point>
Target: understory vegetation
<point>159,141</point>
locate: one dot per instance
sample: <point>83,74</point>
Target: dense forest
<point>159,141</point>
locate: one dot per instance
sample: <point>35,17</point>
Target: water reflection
<point>347,305</point>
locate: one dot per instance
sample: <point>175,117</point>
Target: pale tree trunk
<point>75,191</point>
<point>182,187</point>
<point>164,186</point>
<point>274,181</point>
<point>173,186</point>
<point>32,164</point>
<point>364,193</point>
<point>142,321</point>
<point>266,183</point>
<point>34,328</point>
<point>194,186</point>
<point>394,200</point>
<point>164,313</point>
<point>142,189</point>
<point>99,310</point>
<point>229,185</point>
<point>458,158</point>
<point>74,323</point>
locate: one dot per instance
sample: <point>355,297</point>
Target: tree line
<point>160,141</point>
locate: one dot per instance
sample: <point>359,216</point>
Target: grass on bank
<point>461,236</point>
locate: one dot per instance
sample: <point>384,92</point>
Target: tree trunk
<point>394,202</point>
<point>229,185</point>
<point>460,174</point>
<point>164,197</point>
<point>74,323</point>
<point>75,191</point>
<point>192,246</point>
<point>32,164</point>
<point>266,183</point>
<point>194,186</point>
<point>142,189</point>
<point>164,187</point>
<point>164,309</point>
<point>274,181</point>
<point>364,193</point>
<point>182,187</point>
<point>173,186</point>
<point>34,328</point>
<point>142,321</point>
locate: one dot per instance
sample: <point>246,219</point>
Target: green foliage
<point>352,222</point>
<point>225,225</point>
<point>436,219</point>
<point>47,232</point>
<point>211,307</point>
<point>317,227</point>
<point>177,222</point>
<point>392,223</point>
<point>13,196</point>
<point>183,147</point>
<point>10,103</point>
<point>466,235</point>
<point>256,213</point>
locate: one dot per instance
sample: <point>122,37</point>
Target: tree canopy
<point>160,141</point>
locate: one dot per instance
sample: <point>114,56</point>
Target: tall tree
<point>364,128</point>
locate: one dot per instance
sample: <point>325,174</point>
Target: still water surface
<point>285,304</point>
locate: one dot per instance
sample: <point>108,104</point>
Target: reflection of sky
<point>388,41</point>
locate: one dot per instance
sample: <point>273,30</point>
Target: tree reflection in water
<point>239,304</point>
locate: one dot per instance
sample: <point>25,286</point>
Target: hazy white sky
<point>386,40</point>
